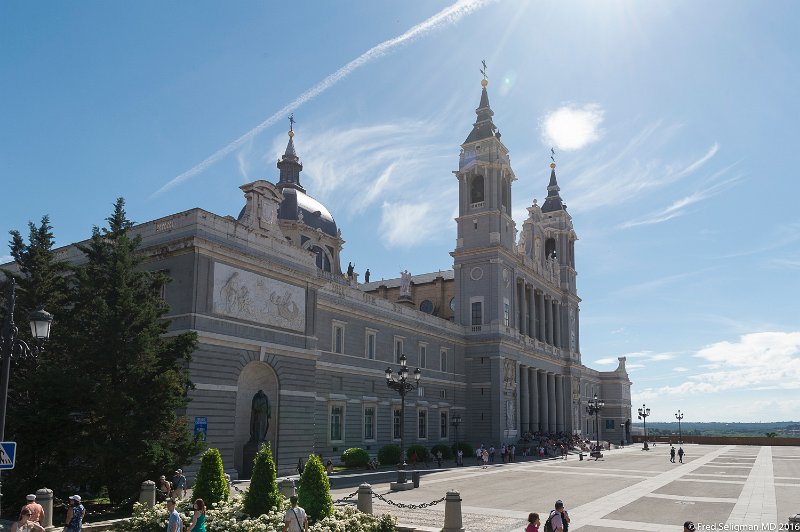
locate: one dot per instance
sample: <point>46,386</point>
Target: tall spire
<point>290,165</point>
<point>483,127</point>
<point>553,200</point>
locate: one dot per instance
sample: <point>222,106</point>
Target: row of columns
<point>543,401</point>
<point>538,315</point>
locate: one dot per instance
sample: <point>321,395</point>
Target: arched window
<point>549,247</point>
<point>504,194</point>
<point>323,262</point>
<point>476,194</point>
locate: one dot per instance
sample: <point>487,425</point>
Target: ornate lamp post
<point>11,346</point>
<point>643,413</point>
<point>456,421</point>
<point>593,408</point>
<point>679,416</point>
<point>400,383</point>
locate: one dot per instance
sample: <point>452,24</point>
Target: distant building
<point>497,337</point>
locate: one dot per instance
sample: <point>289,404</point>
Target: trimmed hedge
<point>447,452</point>
<point>355,457</point>
<point>210,484</point>
<point>263,493</point>
<point>469,451</point>
<point>389,454</point>
<point>314,492</point>
<point>423,455</point>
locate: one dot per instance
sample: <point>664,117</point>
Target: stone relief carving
<point>511,418</point>
<point>572,335</point>
<point>509,374</point>
<point>246,295</point>
<point>522,244</point>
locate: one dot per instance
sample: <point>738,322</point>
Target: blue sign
<point>201,427</point>
<point>8,451</point>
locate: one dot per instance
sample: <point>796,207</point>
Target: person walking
<point>199,517</point>
<point>25,524</point>
<point>37,512</point>
<point>178,484</point>
<point>559,518</point>
<point>680,454</point>
<point>485,458</point>
<point>164,487</point>
<point>460,457</point>
<point>174,523</point>
<point>75,513</point>
<point>672,455</point>
<point>295,519</point>
<point>533,523</point>
<point>439,458</point>
<point>492,452</point>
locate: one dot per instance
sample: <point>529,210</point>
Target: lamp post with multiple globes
<point>593,408</point>
<point>643,413</point>
<point>679,416</point>
<point>400,382</point>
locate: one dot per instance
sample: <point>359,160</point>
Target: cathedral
<point>293,350</point>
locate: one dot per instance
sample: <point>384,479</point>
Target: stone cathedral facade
<point>496,334</point>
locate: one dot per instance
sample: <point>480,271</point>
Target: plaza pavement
<point>628,489</point>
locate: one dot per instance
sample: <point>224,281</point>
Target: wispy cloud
<point>680,369</point>
<point>786,263</point>
<point>571,128</point>
<point>649,286</point>
<point>409,224</point>
<point>781,235</point>
<point>447,16</point>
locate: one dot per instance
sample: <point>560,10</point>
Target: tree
<point>210,484</point>
<point>129,378</point>
<point>38,402</point>
<point>314,492</point>
<point>263,493</point>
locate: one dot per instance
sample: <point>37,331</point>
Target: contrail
<point>449,15</point>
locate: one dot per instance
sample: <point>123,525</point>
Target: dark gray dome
<point>314,213</point>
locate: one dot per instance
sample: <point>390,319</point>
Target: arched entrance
<point>254,377</point>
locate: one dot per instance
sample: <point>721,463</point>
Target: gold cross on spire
<point>483,70</point>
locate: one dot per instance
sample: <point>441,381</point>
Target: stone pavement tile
<point>788,502</point>
<point>757,503</point>
<point>701,489</point>
<point>722,470</point>
<point>664,511</point>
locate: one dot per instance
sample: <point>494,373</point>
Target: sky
<point>674,126</point>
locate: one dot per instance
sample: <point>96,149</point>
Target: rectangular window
<point>337,419</point>
<point>369,345</point>
<point>398,349</point>
<point>443,359</point>
<point>477,313</point>
<point>369,422</point>
<point>423,355</point>
<point>420,391</point>
<point>506,313</point>
<point>443,424</point>
<point>422,425</point>
<point>610,424</point>
<point>396,426</point>
<point>337,342</point>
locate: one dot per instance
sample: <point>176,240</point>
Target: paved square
<point>629,489</point>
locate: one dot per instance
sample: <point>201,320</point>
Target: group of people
<point>672,454</point>
<point>175,489</point>
<point>198,524</point>
<point>558,519</point>
<point>32,514</point>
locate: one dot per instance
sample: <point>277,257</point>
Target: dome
<point>297,203</point>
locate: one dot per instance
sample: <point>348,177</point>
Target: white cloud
<point>6,258</point>
<point>680,369</point>
<point>571,128</point>
<point>407,224</point>
<point>606,361</point>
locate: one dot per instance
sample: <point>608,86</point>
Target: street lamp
<point>456,421</point>
<point>643,413</point>
<point>593,408</point>
<point>11,346</point>
<point>400,383</point>
<point>679,416</point>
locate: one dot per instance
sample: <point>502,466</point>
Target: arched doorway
<point>254,376</point>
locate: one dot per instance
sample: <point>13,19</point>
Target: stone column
<point>524,402</point>
<point>44,497</point>
<point>519,289</point>
<point>560,403</point>
<point>544,410</point>
<point>531,311</point>
<point>533,395</point>
<point>365,498</point>
<point>523,303</point>
<point>548,308</point>
<point>452,513</point>
<point>541,313</point>
<point>551,402</point>
<point>558,341</point>
<point>147,493</point>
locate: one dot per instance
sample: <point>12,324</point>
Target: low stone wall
<point>722,440</point>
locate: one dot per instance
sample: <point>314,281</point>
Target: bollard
<point>365,499</point>
<point>44,497</point>
<point>147,494</point>
<point>286,487</point>
<point>452,513</point>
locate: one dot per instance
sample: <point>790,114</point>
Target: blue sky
<point>674,123</point>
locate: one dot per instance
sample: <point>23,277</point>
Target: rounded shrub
<point>210,484</point>
<point>389,454</point>
<point>355,457</point>
<point>314,492</point>
<point>263,493</point>
<point>423,455</point>
<point>447,452</point>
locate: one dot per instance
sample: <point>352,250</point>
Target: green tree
<point>38,401</point>
<point>314,492</point>
<point>210,484</point>
<point>130,378</point>
<point>263,493</point>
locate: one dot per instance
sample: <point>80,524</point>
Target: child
<point>533,523</point>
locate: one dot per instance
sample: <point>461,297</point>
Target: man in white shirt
<point>295,519</point>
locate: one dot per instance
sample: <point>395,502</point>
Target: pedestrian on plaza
<point>556,518</point>
<point>199,517</point>
<point>178,484</point>
<point>460,457</point>
<point>688,526</point>
<point>479,455</point>
<point>37,512</point>
<point>300,466</point>
<point>485,458</point>
<point>164,487</point>
<point>329,467</point>
<point>503,452</point>
<point>413,458</point>
<point>439,458</point>
<point>75,514</point>
<point>680,454</point>
<point>24,523</point>
<point>174,524</point>
<point>512,450</point>
<point>492,452</point>
<point>533,523</point>
<point>295,519</point>
<point>672,455</point>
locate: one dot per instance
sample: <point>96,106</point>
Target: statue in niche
<point>510,373</point>
<point>522,242</point>
<point>536,247</point>
<point>510,418</point>
<point>260,413</point>
<point>405,284</point>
